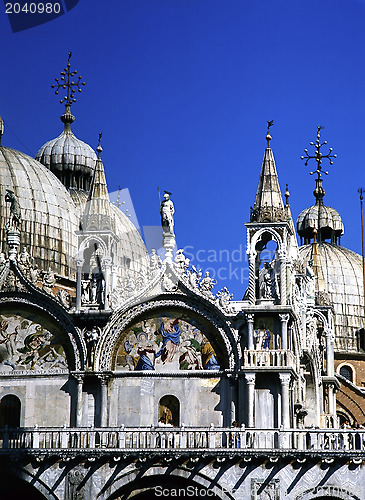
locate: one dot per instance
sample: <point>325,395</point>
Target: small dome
<point>326,220</point>
<point>343,275</point>
<point>49,220</point>
<point>69,158</point>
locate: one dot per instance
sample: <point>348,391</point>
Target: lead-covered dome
<point>49,220</point>
<point>343,280</point>
<point>326,220</point>
<point>69,158</point>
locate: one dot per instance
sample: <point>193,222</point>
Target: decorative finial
<point>119,203</point>
<point>287,194</point>
<point>1,129</point>
<point>270,123</point>
<point>319,192</point>
<point>318,156</point>
<point>99,149</point>
<point>68,83</point>
<point>361,192</point>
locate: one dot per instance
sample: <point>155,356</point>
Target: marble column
<point>330,368</point>
<point>285,399</point>
<point>250,381</point>
<point>79,264</point>
<point>104,400</point>
<point>284,318</point>
<point>252,278</point>
<point>282,259</point>
<point>79,380</point>
<point>106,270</point>
<point>250,322</point>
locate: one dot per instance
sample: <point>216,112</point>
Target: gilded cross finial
<point>67,82</point>
<point>318,156</point>
<point>119,203</point>
<point>270,123</point>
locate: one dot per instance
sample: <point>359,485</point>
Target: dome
<point>48,213</point>
<point>343,276</point>
<point>326,220</point>
<point>69,158</point>
<point>132,253</point>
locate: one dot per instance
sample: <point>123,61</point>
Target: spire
<point>68,83</point>
<point>268,205</point>
<point>98,214</point>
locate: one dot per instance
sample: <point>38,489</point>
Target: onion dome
<point>341,287</point>
<point>48,214</point>
<point>69,158</point>
<point>325,220</point>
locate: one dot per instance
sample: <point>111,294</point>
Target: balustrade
<point>267,357</point>
<point>183,438</point>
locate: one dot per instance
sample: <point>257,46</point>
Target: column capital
<point>250,378</point>
<point>284,378</point>
<point>79,377</point>
<point>79,261</point>
<point>104,378</point>
<point>284,317</point>
<point>250,317</point>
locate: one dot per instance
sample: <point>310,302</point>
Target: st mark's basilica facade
<point>132,375</point>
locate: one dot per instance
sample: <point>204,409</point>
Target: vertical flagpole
<point>361,191</point>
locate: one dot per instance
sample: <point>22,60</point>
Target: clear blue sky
<point>182,91</point>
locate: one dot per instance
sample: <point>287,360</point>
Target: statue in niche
<point>91,339</point>
<point>268,282</point>
<point>15,215</point>
<point>310,286</point>
<point>167,211</point>
<point>262,338</point>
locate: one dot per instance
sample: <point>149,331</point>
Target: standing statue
<point>15,215</point>
<point>207,284</point>
<point>167,211</point>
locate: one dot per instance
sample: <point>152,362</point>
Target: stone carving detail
<point>155,263</point>
<point>194,276</point>
<point>167,211</point>
<point>323,299</point>
<point>169,282</point>
<point>311,329</point>
<point>128,286</point>
<point>91,338</point>
<point>15,217</point>
<point>64,298</point>
<point>93,290</point>
<point>26,266</point>
<point>268,282</point>
<point>49,281</point>
<point>181,263</point>
<point>260,490</point>
<point>223,299</point>
<point>73,488</point>
<point>207,284</point>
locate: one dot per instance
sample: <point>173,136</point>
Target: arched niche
<point>30,339</point>
<point>10,409</point>
<point>169,340</point>
<point>266,245</point>
<point>169,410</point>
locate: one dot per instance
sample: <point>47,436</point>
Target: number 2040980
<point>32,8</point>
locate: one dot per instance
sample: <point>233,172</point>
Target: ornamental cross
<point>67,82</point>
<point>318,156</point>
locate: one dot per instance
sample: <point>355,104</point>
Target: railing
<point>275,358</point>
<point>183,438</point>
